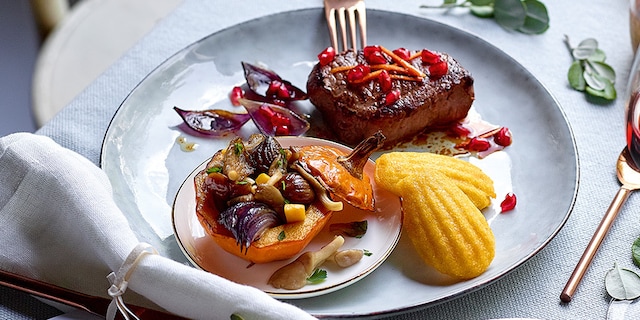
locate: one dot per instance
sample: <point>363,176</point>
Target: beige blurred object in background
<point>634,23</point>
<point>90,37</point>
<point>48,13</point>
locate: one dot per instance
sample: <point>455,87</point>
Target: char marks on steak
<point>356,111</point>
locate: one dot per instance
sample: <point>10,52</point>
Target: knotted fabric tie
<point>120,280</point>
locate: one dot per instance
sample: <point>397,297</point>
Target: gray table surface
<point>531,290</point>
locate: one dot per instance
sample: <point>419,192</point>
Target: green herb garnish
<point>588,72</point>
<point>214,170</point>
<point>367,253</point>
<point>238,147</point>
<point>622,284</point>
<point>281,235</point>
<point>236,317</point>
<point>317,276</point>
<point>635,252</point>
<point>526,16</point>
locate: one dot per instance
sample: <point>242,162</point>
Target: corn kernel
<point>233,175</point>
<point>294,212</point>
<point>262,178</point>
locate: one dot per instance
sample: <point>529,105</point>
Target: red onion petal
<point>265,123</point>
<point>213,122</point>
<point>259,80</point>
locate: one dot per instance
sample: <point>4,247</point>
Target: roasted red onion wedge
<point>269,84</point>
<point>273,120</point>
<point>247,220</point>
<point>213,122</point>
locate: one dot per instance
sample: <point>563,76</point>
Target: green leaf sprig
<point>526,16</point>
<point>317,276</point>
<point>622,284</point>
<point>635,252</point>
<point>588,72</point>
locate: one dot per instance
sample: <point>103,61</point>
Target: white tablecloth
<point>531,290</point>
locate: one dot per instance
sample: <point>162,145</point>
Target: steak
<point>355,111</point>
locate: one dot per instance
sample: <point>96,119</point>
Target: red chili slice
<point>392,97</point>
<point>385,81</point>
<point>478,144</point>
<point>402,53</point>
<point>358,72</point>
<point>236,93</point>
<point>503,137</point>
<point>373,55</point>
<point>326,56</point>
<point>429,57</point>
<point>509,202</point>
<point>438,69</point>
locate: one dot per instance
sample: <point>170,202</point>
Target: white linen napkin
<point>59,224</point>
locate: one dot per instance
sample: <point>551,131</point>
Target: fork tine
<point>330,15</point>
<point>351,10</point>
<point>343,27</point>
<point>352,27</point>
<point>362,20</point>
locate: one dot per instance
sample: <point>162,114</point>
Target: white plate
<point>146,166</point>
<point>382,235</point>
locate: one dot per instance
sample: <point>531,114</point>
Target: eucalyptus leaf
<point>598,56</point>
<point>599,77</point>
<point>585,49</point>
<point>576,80</point>
<point>594,80</point>
<point>602,69</point>
<point>481,3</point>
<point>526,16</point>
<point>608,93</point>
<point>537,19</point>
<point>622,284</point>
<point>482,11</point>
<point>635,252</point>
<point>510,13</point>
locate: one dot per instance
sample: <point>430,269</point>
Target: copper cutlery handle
<point>594,244</point>
<point>92,304</point>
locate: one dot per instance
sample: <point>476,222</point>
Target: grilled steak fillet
<point>356,111</point>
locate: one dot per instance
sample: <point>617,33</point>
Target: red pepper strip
<point>410,69</point>
<point>367,78</point>
<point>405,78</point>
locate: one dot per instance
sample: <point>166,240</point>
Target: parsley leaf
<point>317,276</point>
<point>214,170</point>
<point>238,147</point>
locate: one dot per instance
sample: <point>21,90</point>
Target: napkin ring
<point>120,280</point>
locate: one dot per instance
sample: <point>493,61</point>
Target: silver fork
<point>344,8</point>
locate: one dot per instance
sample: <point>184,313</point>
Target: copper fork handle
<point>594,244</point>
